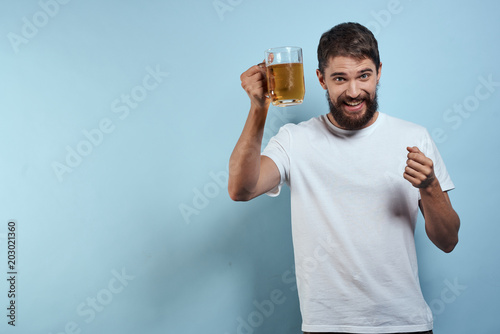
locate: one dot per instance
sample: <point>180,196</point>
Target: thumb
<point>413,149</point>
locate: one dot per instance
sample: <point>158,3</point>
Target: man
<point>357,178</point>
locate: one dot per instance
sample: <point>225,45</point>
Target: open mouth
<point>354,103</point>
<point>354,106</point>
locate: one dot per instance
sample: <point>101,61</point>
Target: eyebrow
<point>334,74</point>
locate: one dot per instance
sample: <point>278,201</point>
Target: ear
<point>379,72</point>
<point>321,79</point>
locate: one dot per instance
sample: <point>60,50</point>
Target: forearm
<point>244,163</point>
<point>441,221</point>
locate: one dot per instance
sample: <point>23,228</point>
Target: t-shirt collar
<point>353,133</point>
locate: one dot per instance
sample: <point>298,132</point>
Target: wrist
<point>434,187</point>
<point>260,108</point>
<point>259,112</point>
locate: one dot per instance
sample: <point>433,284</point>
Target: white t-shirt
<point>353,223</point>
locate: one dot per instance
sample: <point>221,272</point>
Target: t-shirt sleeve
<point>278,150</point>
<point>431,151</point>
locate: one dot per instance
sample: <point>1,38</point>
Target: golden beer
<point>285,83</point>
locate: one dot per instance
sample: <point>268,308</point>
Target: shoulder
<point>401,122</point>
<point>401,125</point>
<point>303,132</point>
<point>408,133</point>
<point>309,126</point>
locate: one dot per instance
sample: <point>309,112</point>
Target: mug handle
<point>263,65</point>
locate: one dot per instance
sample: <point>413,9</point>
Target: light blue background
<point>132,206</point>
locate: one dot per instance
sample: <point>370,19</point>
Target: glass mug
<point>285,76</point>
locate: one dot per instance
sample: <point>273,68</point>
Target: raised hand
<point>254,82</point>
<point>419,169</point>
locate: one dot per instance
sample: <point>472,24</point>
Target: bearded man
<point>357,178</point>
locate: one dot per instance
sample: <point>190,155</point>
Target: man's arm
<point>251,174</point>
<point>441,221</point>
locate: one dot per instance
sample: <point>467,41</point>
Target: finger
<point>420,158</point>
<point>417,165</point>
<point>255,89</point>
<point>418,180</point>
<point>256,76</point>
<point>415,154</point>
<point>260,67</point>
<point>412,152</point>
<point>424,169</point>
<point>415,182</point>
<point>253,80</point>
<point>251,72</point>
<point>413,149</point>
<point>414,173</point>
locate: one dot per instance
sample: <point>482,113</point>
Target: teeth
<point>352,104</point>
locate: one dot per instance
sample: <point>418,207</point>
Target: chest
<point>368,161</point>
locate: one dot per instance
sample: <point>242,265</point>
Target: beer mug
<point>285,76</point>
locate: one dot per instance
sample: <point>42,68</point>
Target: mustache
<point>361,97</point>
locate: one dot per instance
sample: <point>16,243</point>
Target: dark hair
<point>347,40</point>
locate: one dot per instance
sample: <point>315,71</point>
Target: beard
<point>353,122</point>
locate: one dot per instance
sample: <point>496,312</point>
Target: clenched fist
<point>419,169</point>
<point>254,82</point>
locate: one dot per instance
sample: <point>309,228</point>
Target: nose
<point>353,90</point>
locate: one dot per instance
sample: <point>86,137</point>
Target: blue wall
<point>118,119</point>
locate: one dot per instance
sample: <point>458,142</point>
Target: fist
<point>254,82</point>
<point>419,170</point>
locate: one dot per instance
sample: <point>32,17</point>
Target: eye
<point>338,79</point>
<point>365,76</point>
